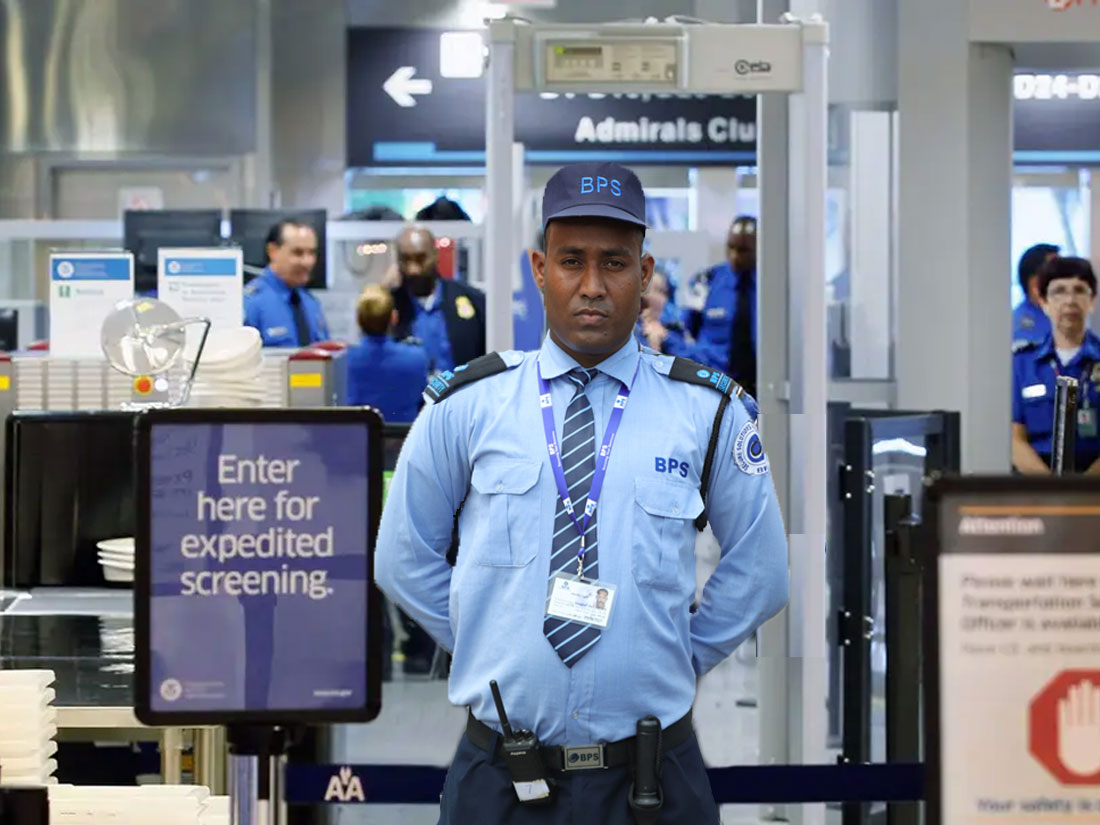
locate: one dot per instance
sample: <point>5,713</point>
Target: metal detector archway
<point>789,58</point>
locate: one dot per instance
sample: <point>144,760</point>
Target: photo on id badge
<point>580,600</point>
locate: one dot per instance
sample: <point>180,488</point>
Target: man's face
<point>592,276</point>
<point>741,246</point>
<point>1069,302</point>
<point>293,259</point>
<point>416,259</point>
<point>601,599</point>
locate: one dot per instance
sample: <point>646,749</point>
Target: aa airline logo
<point>1066,5</point>
<point>345,786</point>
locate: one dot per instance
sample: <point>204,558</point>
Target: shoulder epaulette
<point>251,287</point>
<point>692,372</point>
<point>1022,344</point>
<point>450,380</point>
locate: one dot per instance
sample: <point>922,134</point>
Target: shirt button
<point>500,486</point>
<point>676,511</point>
<point>576,714</point>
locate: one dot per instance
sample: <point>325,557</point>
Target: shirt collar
<point>433,299</point>
<point>277,282</point>
<point>622,365</point>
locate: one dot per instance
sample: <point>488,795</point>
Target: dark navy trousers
<point>479,790</point>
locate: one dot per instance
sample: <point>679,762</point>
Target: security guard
<point>1067,290</point>
<point>725,330</point>
<point>510,445</point>
<point>277,302</point>
<point>1029,321</point>
<point>447,316</point>
<point>384,373</point>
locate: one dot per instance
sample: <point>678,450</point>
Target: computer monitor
<point>146,231</point>
<point>248,229</point>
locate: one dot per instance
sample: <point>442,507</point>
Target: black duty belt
<point>585,757</point>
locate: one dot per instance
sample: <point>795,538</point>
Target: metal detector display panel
<point>1013,721</point>
<point>254,596</point>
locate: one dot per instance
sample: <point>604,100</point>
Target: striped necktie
<point>571,640</point>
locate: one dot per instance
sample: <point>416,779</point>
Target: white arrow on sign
<point>401,86</point>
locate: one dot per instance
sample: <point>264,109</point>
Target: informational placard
<point>253,574</point>
<point>1013,655</point>
<point>202,283</point>
<point>84,288</point>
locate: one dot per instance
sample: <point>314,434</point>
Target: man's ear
<point>647,271</point>
<point>538,268</point>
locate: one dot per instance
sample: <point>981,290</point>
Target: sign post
<point>1013,653</point>
<point>84,288</point>
<point>255,607</point>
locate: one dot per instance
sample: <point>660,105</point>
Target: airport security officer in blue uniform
<point>277,303</point>
<point>579,480</point>
<point>725,330</point>
<point>1067,289</point>
<point>1029,320</point>
<point>383,373</point>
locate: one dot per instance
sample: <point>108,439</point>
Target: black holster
<point>646,797</point>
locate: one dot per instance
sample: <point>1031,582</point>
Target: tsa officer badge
<point>464,307</point>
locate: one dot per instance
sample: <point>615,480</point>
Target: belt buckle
<point>583,757</point>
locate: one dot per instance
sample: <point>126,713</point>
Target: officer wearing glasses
<point>1067,290</point>
<point>577,475</point>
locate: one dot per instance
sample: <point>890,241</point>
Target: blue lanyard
<point>601,462</point>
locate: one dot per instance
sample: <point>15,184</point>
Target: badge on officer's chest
<point>1095,377</point>
<point>1087,422</point>
<point>464,307</point>
<point>580,600</point>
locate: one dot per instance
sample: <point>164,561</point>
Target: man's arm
<point>433,474</point>
<point>1024,457</point>
<point>751,582</point>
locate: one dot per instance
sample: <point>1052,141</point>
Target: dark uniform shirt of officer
<point>1067,288</point>
<point>576,469</point>
<point>383,373</point>
<point>1029,321</point>
<point>277,302</point>
<point>725,329</point>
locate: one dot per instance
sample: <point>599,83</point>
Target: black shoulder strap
<point>450,380</point>
<point>692,372</point>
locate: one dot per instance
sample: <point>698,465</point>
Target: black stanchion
<point>903,646</point>
<point>1064,442</point>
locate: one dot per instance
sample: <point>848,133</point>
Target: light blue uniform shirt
<point>487,440</point>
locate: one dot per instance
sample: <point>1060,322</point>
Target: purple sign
<point>258,567</point>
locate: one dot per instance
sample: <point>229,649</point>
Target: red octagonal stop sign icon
<point>1064,727</point>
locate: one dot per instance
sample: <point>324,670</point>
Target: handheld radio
<point>522,758</point>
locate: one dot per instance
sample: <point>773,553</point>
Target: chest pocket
<point>507,530</point>
<point>663,551</point>
<point>1039,414</point>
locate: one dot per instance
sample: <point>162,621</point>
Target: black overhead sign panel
<point>406,106</point>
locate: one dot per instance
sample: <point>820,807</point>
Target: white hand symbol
<point>1079,729</point>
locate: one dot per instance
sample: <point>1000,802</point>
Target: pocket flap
<point>496,475</point>
<point>668,499</point>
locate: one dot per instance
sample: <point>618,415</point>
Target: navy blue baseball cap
<point>594,190</point>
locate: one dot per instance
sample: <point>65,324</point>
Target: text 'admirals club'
<point>681,130</point>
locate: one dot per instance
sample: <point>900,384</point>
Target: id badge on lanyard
<point>572,596</point>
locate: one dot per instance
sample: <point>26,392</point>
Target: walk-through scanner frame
<point>788,58</point>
